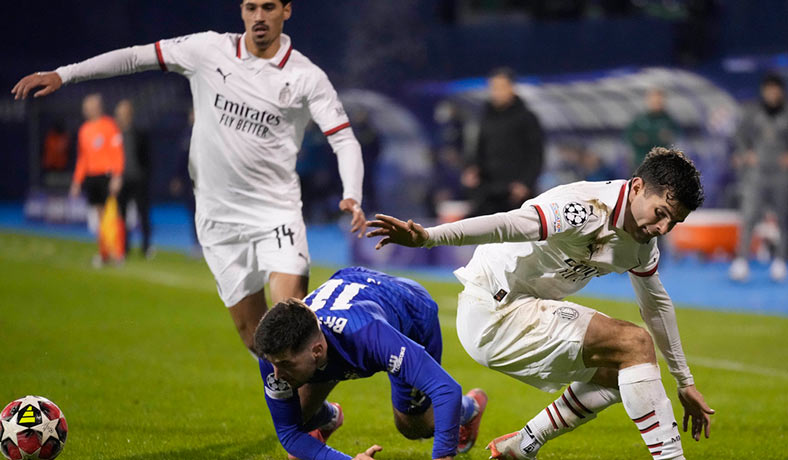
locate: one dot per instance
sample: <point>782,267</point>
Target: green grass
<point>146,364</point>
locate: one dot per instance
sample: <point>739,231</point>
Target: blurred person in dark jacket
<point>136,174</point>
<point>761,160</point>
<point>652,128</point>
<point>510,149</point>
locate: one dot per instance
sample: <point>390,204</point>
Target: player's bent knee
<point>412,427</point>
<point>641,345</point>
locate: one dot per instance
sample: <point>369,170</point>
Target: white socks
<point>648,406</point>
<point>579,404</point>
<point>645,401</point>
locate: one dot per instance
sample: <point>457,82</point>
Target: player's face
<point>296,368</point>
<point>264,20</point>
<point>651,214</point>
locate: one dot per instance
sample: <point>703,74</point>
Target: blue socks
<point>323,416</point>
<point>468,410</point>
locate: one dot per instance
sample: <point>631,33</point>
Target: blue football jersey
<point>372,322</point>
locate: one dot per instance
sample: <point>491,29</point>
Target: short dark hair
<point>670,169</point>
<point>505,72</point>
<point>284,2</point>
<point>286,327</point>
<point>773,79</point>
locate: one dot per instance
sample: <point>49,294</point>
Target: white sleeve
<point>119,62</point>
<point>522,224</point>
<point>184,54</point>
<point>324,105</point>
<point>658,312</point>
<point>351,164</point>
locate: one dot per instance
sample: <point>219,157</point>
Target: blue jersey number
<point>342,302</point>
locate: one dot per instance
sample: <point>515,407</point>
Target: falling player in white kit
<point>253,96</point>
<point>511,315</point>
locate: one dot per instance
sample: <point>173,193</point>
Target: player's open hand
<point>369,453</point>
<point>396,231</point>
<point>49,81</point>
<point>695,408</point>
<point>359,220</point>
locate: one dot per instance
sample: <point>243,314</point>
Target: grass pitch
<point>146,364</point>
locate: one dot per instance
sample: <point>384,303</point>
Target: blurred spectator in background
<point>576,162</point>
<point>100,161</point>
<point>594,168</point>
<point>509,153</point>
<point>55,151</point>
<point>653,128</point>
<point>762,163</point>
<point>181,186</point>
<point>369,139</point>
<point>136,173</point>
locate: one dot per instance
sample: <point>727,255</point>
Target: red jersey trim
<point>238,48</point>
<point>286,58</point>
<point>645,274</point>
<point>619,203</point>
<point>542,223</point>
<point>337,129</point>
<point>160,57</point>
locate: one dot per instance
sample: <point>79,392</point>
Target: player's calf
<point>648,406</point>
<point>579,404</point>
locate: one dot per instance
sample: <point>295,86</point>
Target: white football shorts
<point>536,341</point>
<point>242,257</point>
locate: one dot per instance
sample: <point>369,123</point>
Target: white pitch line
<point>728,365</point>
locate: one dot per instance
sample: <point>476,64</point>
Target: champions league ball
<point>32,428</point>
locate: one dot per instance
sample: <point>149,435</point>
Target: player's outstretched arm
<point>397,231</point>
<point>359,220</point>
<point>695,408</point>
<point>369,453</point>
<point>49,82</point>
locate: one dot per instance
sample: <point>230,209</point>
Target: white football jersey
<point>250,115</point>
<point>582,236</point>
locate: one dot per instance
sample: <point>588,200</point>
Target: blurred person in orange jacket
<point>99,168</point>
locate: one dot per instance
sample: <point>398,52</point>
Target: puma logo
<point>224,77</point>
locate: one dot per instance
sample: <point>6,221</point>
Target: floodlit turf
<point>146,364</point>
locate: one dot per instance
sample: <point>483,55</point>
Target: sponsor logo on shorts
<point>567,313</point>
<point>500,295</point>
<point>277,388</point>
<point>417,399</point>
<point>575,214</point>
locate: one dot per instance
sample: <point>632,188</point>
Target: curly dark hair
<point>669,169</point>
<point>286,327</point>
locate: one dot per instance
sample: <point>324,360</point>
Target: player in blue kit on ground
<point>357,323</point>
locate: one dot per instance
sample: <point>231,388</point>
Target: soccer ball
<point>32,428</point>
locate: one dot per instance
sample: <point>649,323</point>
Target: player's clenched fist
<point>50,81</point>
<point>397,231</point>
<point>369,453</point>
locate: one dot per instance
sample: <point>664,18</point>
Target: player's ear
<point>637,185</point>
<point>318,348</point>
<point>288,10</point>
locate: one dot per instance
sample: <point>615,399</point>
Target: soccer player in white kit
<point>511,316</point>
<point>253,96</point>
